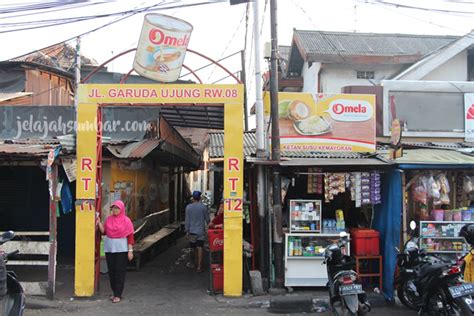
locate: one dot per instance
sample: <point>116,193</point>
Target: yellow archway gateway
<point>90,98</point>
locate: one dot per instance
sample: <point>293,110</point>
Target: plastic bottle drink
<point>290,247</point>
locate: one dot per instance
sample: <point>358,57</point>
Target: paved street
<point>164,286</point>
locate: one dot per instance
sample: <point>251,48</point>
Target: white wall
<point>454,69</point>
<point>333,77</point>
<point>310,77</point>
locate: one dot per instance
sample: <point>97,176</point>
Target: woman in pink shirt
<point>118,247</point>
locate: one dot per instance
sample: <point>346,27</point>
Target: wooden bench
<point>148,243</point>
<point>34,253</point>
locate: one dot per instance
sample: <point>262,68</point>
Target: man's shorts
<point>194,241</point>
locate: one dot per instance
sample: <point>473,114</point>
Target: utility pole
<point>77,72</point>
<point>243,77</point>
<point>277,211</point>
<point>261,152</point>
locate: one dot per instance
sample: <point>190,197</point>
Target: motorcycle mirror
<point>8,235</point>
<point>342,234</point>
<point>412,225</point>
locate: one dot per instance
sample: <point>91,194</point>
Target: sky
<point>221,29</point>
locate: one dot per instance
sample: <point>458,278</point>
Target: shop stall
<point>438,189</point>
<point>319,205</point>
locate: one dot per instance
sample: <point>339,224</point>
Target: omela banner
<point>325,122</point>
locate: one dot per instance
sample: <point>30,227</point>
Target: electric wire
<point>58,22</point>
<point>82,5</point>
<point>120,19</point>
<point>418,19</point>
<point>115,21</point>
<point>228,44</point>
<point>397,5</point>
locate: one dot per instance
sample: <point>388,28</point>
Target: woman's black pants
<point>117,265</point>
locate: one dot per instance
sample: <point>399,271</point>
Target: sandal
<point>112,297</point>
<point>199,270</point>
<point>116,299</point>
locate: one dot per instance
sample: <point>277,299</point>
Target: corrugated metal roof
<point>216,144</point>
<point>216,149</point>
<point>135,150</point>
<point>432,145</point>
<point>370,44</point>
<point>322,46</point>
<point>26,150</point>
<point>434,156</point>
<point>13,95</point>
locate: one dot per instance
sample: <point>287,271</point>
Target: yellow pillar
<point>233,195</point>
<point>85,199</point>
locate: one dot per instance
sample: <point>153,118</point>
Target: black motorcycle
<point>408,261</point>
<point>345,295</point>
<point>431,284</point>
<point>12,297</point>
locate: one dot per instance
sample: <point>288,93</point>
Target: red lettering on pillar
<point>233,184</point>
<point>233,163</point>
<point>85,206</point>
<point>86,183</point>
<point>86,162</point>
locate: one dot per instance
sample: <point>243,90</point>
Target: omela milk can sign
<point>162,47</point>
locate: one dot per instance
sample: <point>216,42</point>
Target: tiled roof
<point>61,56</point>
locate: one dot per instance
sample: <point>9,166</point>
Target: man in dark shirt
<point>196,220</point>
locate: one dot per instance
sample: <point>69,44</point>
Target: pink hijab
<point>119,226</point>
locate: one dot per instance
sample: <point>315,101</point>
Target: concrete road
<point>164,286</point>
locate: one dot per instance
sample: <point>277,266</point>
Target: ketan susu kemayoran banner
<point>325,122</point>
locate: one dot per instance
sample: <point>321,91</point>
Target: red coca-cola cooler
<point>217,278</point>
<point>216,239</point>
<point>216,260</point>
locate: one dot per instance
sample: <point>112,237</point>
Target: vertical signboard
<point>233,198</point>
<point>90,96</point>
<point>85,199</point>
<point>469,117</point>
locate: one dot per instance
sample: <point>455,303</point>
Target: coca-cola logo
<point>470,113</point>
<point>218,242</point>
<point>350,110</point>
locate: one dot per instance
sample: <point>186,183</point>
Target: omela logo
<point>470,113</point>
<point>350,110</point>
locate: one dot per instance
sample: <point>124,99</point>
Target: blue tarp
<point>387,220</point>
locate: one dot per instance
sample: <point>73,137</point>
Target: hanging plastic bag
<point>419,191</point>
<point>467,184</point>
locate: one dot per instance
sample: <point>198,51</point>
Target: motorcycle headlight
<point>411,245</point>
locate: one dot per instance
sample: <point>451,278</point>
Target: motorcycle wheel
<point>340,309</point>
<point>406,298</point>
<point>7,304</point>
<point>346,311</point>
<point>461,307</point>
